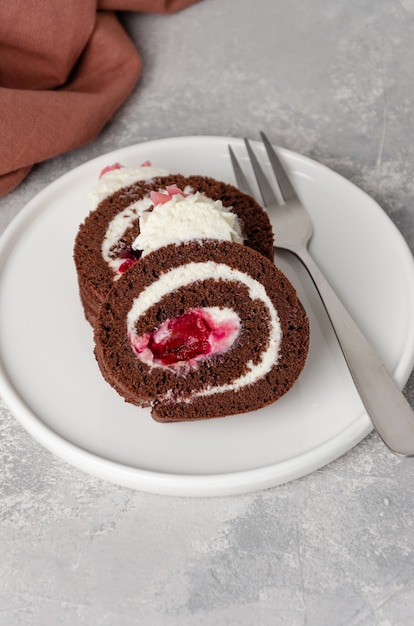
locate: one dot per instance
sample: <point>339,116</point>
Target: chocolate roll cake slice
<point>201,330</point>
<point>106,247</point>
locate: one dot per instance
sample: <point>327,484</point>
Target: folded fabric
<point>65,68</point>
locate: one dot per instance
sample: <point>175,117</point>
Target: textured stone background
<point>329,79</point>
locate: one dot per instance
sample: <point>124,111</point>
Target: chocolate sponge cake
<point>104,247</point>
<point>202,329</point>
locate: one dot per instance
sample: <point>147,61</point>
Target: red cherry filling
<point>130,256</point>
<point>181,339</point>
<point>126,265</point>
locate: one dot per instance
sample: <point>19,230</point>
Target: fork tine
<point>241,179</point>
<point>282,177</point>
<point>266,191</point>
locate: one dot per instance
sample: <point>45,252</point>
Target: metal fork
<point>389,411</point>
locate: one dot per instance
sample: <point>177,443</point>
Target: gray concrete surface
<point>331,79</point>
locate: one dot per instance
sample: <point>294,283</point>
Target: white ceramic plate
<point>50,380</point>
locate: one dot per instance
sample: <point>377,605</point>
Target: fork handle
<point>389,411</point>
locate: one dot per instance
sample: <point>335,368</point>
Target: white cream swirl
<point>184,275</point>
<point>117,227</point>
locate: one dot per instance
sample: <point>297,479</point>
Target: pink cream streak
<point>186,339</point>
<point>119,166</point>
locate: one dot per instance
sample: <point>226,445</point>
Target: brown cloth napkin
<point>65,68</point>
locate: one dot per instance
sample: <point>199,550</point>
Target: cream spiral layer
<point>180,287</point>
<point>185,275</point>
<point>181,218</point>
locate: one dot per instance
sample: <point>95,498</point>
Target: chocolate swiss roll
<point>105,243</point>
<point>201,329</point>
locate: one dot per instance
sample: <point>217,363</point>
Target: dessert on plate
<point>202,329</point>
<point>191,317</point>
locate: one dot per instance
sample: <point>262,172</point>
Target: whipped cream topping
<point>119,177</point>
<point>184,275</point>
<point>184,218</point>
<point>117,228</point>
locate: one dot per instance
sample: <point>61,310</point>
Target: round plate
<point>49,377</point>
